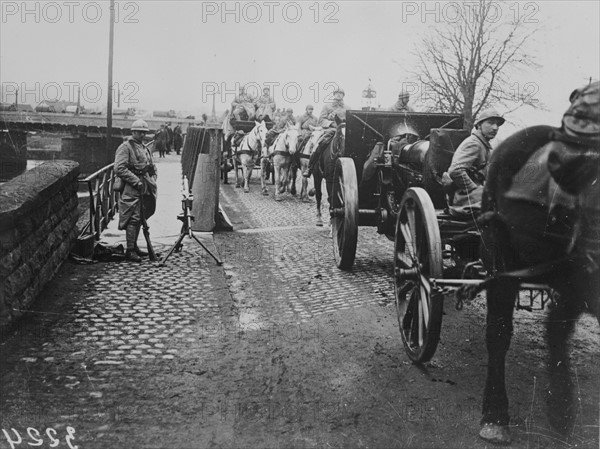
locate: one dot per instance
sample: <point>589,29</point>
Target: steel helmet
<point>403,94</point>
<point>487,114</point>
<point>140,125</point>
<point>583,116</point>
<point>340,90</point>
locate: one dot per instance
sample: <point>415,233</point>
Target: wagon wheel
<point>344,213</point>
<point>418,257</point>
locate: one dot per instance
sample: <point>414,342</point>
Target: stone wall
<point>38,217</point>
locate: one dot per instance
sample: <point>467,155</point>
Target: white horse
<point>247,151</point>
<point>281,151</point>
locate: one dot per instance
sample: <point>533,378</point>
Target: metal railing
<point>103,201</point>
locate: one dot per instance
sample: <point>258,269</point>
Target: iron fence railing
<point>103,201</point>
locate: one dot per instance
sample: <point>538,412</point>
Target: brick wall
<point>38,217</point>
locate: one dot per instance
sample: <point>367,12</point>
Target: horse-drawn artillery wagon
<point>537,230</point>
<point>388,175</point>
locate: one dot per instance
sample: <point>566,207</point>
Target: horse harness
<point>250,151</point>
<point>278,152</point>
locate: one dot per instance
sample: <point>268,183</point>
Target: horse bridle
<point>255,131</point>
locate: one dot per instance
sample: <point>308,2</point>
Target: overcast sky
<point>172,54</point>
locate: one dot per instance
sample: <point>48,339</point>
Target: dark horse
<point>541,219</point>
<point>325,167</point>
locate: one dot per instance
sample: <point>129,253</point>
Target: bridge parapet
<point>38,218</point>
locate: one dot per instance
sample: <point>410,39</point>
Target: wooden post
<point>110,78</point>
<point>205,187</point>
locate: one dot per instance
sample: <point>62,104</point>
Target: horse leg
<point>263,168</point>
<point>277,178</point>
<point>501,296</point>
<point>236,167</point>
<point>283,176</point>
<point>303,183</point>
<point>292,176</point>
<point>248,173</point>
<point>318,196</point>
<point>560,325</point>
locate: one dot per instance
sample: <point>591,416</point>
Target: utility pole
<point>110,79</point>
<point>17,98</point>
<point>77,111</point>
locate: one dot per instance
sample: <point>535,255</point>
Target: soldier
<point>336,107</point>
<point>160,141</point>
<point>402,104</point>
<point>308,122</point>
<point>169,132</point>
<point>243,106</point>
<point>469,164</point>
<point>135,168</point>
<point>330,111</point>
<point>178,138</point>
<point>265,106</point>
<point>285,120</point>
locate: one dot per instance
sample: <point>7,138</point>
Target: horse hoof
<point>237,186</point>
<point>319,222</point>
<point>311,192</point>
<point>495,433</point>
<point>278,198</point>
<point>265,192</point>
<point>246,190</point>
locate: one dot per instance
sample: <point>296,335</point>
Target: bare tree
<point>466,64</point>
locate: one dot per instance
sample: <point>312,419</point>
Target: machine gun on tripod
<point>186,228</point>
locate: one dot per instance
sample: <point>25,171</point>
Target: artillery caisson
<point>389,176</point>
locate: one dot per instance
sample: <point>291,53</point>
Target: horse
<point>282,150</point>
<point>247,152</point>
<point>302,159</point>
<point>325,167</point>
<point>540,220</point>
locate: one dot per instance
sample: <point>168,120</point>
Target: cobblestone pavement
<point>276,348</point>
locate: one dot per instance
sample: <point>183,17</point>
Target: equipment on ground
<point>186,228</point>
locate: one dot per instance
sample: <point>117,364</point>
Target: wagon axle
<point>412,274</point>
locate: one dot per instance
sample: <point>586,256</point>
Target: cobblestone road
<point>276,348</point>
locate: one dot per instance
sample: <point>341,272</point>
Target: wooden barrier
<point>201,163</point>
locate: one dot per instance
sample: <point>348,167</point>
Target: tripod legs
<point>186,231</point>
<point>219,262</point>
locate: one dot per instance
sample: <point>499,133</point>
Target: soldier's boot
<point>136,248</point>
<point>131,236</point>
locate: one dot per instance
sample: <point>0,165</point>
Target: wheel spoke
<point>420,323</point>
<point>403,259</point>
<point>408,240</point>
<point>410,212</point>
<point>424,305</point>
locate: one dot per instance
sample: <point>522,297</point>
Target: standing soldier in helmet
<point>469,165</point>
<point>134,166</point>
<point>337,108</point>
<point>160,141</point>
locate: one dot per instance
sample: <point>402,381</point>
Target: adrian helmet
<point>583,116</point>
<point>339,90</point>
<point>488,114</point>
<point>140,125</point>
<point>403,94</point>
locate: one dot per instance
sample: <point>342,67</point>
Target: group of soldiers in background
<point>464,179</point>
<point>167,139</point>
